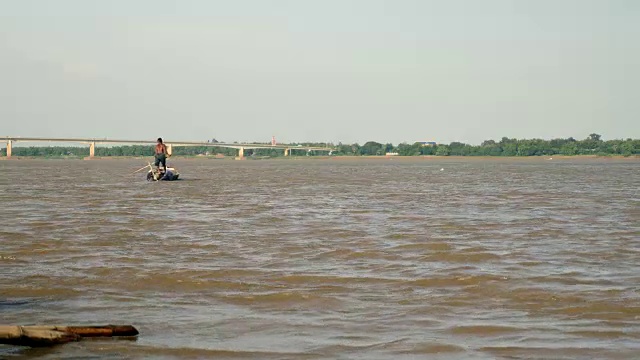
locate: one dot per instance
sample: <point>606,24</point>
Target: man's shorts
<point>161,158</point>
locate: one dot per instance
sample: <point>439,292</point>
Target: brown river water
<point>326,258</point>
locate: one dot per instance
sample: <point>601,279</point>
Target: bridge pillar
<point>92,150</point>
<point>9,143</point>
<point>240,154</point>
<point>169,149</point>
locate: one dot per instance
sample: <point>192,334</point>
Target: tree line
<point>592,145</point>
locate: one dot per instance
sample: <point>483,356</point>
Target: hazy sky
<point>323,70</point>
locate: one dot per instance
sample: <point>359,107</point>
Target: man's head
<point>159,140</point>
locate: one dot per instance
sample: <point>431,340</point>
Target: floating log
<point>103,331</point>
<point>46,335</point>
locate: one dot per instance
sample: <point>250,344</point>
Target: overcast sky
<point>324,70</point>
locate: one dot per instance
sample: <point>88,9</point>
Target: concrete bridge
<point>10,140</point>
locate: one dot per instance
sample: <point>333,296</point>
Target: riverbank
<point>485,158</point>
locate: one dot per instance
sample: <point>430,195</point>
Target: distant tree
<point>594,137</point>
<point>427,150</point>
<point>355,149</point>
<point>388,148</point>
<point>403,149</point>
<point>627,148</point>
<point>569,148</point>
<point>489,148</point>
<point>442,150</point>
<point>456,148</point>
<point>509,149</point>
<point>371,148</point>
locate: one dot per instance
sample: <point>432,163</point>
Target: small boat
<point>170,174</point>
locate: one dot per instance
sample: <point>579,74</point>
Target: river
<point>327,258</point>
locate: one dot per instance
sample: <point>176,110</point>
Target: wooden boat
<point>170,174</point>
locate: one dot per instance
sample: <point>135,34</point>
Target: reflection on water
<point>327,258</point>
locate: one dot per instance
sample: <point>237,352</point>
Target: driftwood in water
<point>44,335</point>
<point>103,331</point>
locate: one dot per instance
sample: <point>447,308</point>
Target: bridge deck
<point>168,142</point>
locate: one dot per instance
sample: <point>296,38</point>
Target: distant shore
<point>337,158</point>
<point>457,157</point>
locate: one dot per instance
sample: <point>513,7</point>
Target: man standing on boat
<point>161,155</point>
